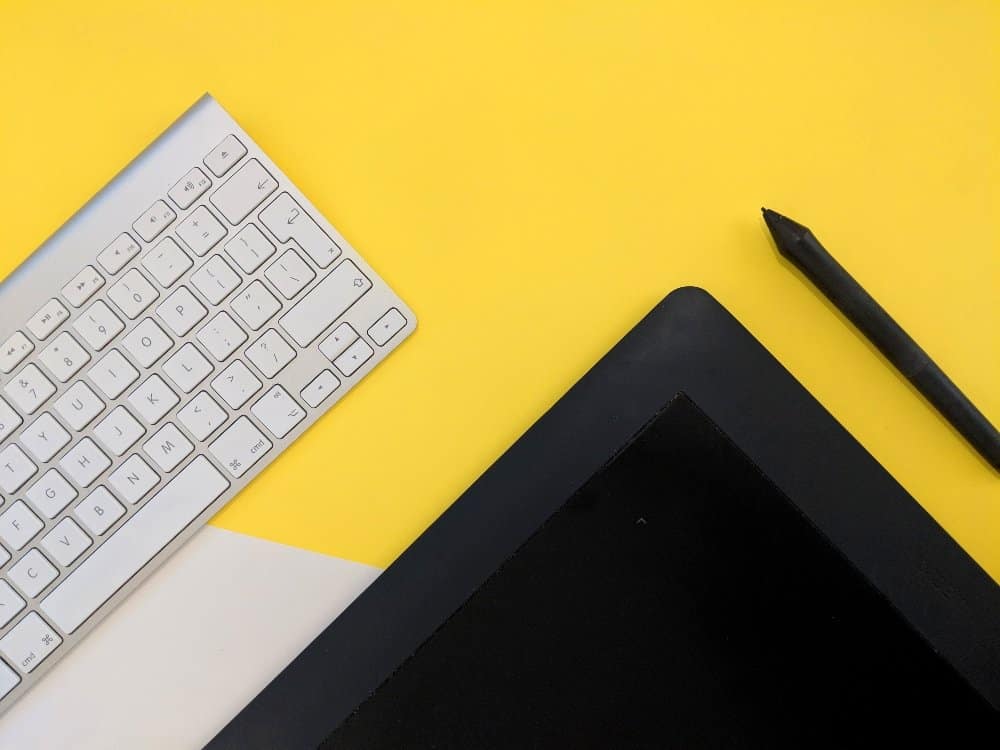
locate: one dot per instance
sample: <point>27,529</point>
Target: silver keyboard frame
<point>77,244</point>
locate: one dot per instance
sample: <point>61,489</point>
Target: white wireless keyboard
<point>163,347</point>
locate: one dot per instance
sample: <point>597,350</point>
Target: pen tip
<point>784,230</point>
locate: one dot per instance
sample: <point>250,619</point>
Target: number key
<point>133,294</point>
<point>64,357</point>
<point>98,325</point>
<point>30,389</point>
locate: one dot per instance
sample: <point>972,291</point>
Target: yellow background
<point>532,177</point>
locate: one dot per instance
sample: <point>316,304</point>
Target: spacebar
<point>136,543</point>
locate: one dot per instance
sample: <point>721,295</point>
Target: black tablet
<point>687,545</point>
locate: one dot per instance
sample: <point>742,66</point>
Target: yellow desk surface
<point>533,176</point>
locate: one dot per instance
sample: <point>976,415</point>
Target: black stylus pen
<point>798,244</point>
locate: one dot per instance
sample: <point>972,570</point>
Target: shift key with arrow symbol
<point>287,221</point>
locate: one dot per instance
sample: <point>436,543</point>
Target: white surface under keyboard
<point>171,666</point>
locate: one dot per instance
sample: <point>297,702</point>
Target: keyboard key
<point>45,438</point>
<point>236,384</point>
<point>387,326</point>
<point>202,416</point>
<point>147,342</point>
<point>223,157</point>
<point>129,549</point>
<point>153,399</point>
<point>337,342</point>
<point>85,462</point>
<point>255,305</point>
<point>113,374</point>
<point>222,336</point>
<point>244,191</point>
<point>287,221</point>
<point>66,542</point>
<point>98,325</point>
<point>290,274</point>
<point>29,643</point>
<point>79,405</point>
<point>151,224</point>
<point>168,447</point>
<point>250,248</point>
<point>189,189</point>
<point>353,357</point>
<point>201,231</point>
<point>216,280</point>
<point>187,368</point>
<point>32,573</point>
<point>83,286</point>
<point>13,352</point>
<point>117,255</point>
<point>278,411</point>
<point>270,354</point>
<point>50,494</point>
<point>99,511</point>
<point>133,294</point>
<point>240,447</point>
<point>10,420</point>
<point>133,479</point>
<point>30,389</point>
<point>10,605</point>
<point>48,319</point>
<point>327,301</point>
<point>166,262</point>
<point>119,431</point>
<point>18,525</point>
<point>64,357</point>
<point>181,311</point>
<point>15,469</point>
<point>320,388</point>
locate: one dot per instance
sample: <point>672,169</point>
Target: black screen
<point>677,600</point>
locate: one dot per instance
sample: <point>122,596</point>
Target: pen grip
<point>857,305</point>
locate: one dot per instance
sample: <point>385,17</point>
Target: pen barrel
<point>962,413</point>
<point>823,270</point>
<point>810,257</point>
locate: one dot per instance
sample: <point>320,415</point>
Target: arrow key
<point>320,388</point>
<point>353,357</point>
